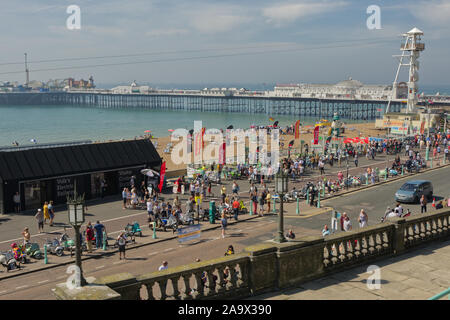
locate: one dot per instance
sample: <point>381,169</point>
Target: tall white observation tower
<point>410,51</point>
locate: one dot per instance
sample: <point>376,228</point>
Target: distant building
<point>80,84</point>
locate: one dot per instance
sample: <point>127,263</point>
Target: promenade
<point>416,275</point>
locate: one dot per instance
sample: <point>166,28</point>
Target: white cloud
<point>166,32</point>
<point>217,19</point>
<point>289,12</point>
<point>435,13</point>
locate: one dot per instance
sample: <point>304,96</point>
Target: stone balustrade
<point>271,266</point>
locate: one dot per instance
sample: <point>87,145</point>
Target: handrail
<point>441,295</point>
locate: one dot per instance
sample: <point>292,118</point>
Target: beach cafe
<point>44,173</point>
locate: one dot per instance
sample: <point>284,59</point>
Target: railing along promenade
<point>270,266</point>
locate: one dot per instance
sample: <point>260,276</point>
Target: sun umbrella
<point>171,130</point>
<point>230,127</point>
<point>150,173</point>
<point>148,131</point>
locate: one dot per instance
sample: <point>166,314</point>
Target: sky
<point>204,42</point>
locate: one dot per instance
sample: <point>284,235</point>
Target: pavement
<point>416,275</point>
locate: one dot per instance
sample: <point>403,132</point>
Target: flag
<point>316,134</point>
<point>422,127</point>
<point>434,203</point>
<point>271,119</point>
<point>161,174</point>
<point>222,154</point>
<point>297,129</point>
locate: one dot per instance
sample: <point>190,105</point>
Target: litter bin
<point>212,212</point>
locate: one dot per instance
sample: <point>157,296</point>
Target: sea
<point>62,123</point>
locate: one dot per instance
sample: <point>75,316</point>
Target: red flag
<point>222,154</point>
<point>162,173</point>
<point>297,129</point>
<point>203,137</point>
<point>316,135</point>
<point>422,127</point>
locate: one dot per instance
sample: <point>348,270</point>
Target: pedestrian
<point>344,215</point>
<point>26,236</point>
<point>290,234</point>
<point>46,213</point>
<point>356,159</point>
<point>423,204</point>
<point>51,212</point>
<point>223,223</point>
<point>89,236</point>
<point>347,224</point>
<point>262,200</point>
<point>229,251</point>
<point>363,219</point>
<point>40,220</point>
<point>325,231</point>
<point>236,206</point>
<point>164,266</point>
<point>16,200</point>
<point>121,241</point>
<point>268,199</point>
<point>99,228</point>
<point>124,198</point>
<point>254,198</point>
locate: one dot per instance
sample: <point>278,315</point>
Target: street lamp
<point>346,182</point>
<point>281,188</point>
<point>75,208</point>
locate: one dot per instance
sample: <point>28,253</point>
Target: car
<point>413,190</point>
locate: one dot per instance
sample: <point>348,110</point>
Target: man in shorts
<point>40,220</point>
<point>121,241</point>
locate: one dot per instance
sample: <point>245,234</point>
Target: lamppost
<point>281,188</point>
<point>346,181</point>
<point>75,208</point>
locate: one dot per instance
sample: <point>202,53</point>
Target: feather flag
<point>297,129</point>
<point>161,174</point>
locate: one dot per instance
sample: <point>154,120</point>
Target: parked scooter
<point>19,255</point>
<point>32,250</point>
<point>54,247</point>
<point>7,260</point>
<point>133,229</point>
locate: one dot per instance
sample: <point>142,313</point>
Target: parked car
<point>413,190</point>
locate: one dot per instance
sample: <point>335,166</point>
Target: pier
<point>307,107</point>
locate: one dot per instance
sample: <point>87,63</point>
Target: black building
<point>42,174</point>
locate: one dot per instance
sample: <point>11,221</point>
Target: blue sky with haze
<point>116,27</point>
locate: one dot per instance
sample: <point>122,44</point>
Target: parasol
<point>150,173</point>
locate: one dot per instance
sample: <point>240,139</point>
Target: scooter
<point>19,255</point>
<point>7,260</point>
<point>54,247</point>
<point>32,250</point>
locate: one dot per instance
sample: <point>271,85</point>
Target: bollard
<point>367,179</point>
<point>318,200</point>
<point>250,213</point>
<point>402,170</point>
<point>274,209</point>
<point>104,240</point>
<point>385,174</point>
<point>323,190</point>
<point>45,254</point>
<point>307,196</point>
<point>427,154</point>
<point>431,163</point>
<point>298,208</point>
<point>154,230</point>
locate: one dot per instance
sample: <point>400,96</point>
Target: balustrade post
<point>398,238</point>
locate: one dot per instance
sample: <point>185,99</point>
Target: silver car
<point>413,190</point>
